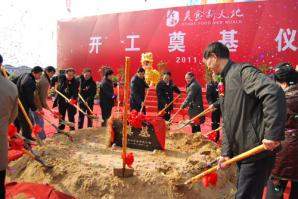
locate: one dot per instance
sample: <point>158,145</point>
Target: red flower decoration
<point>136,119</point>
<point>11,130</point>
<point>36,129</point>
<point>128,159</point>
<point>212,136</point>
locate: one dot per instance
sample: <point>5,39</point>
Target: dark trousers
<point>277,187</point>
<point>2,184</point>
<point>215,118</point>
<point>195,128</point>
<point>64,107</point>
<point>22,124</point>
<point>167,115</point>
<point>106,111</point>
<point>82,116</point>
<point>252,178</point>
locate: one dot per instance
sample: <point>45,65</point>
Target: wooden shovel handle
<point>168,105</point>
<point>235,159</point>
<point>68,100</point>
<point>86,104</point>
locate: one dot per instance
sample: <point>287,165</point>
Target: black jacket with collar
<point>87,89</point>
<point>165,93</point>
<point>253,109</point>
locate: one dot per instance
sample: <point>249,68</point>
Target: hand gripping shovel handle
<point>208,110</point>
<point>168,105</point>
<point>92,116</point>
<point>24,111</point>
<point>68,100</point>
<point>235,159</point>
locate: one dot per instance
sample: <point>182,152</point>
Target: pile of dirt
<point>84,168</point>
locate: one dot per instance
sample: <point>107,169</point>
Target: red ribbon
<point>210,179</point>
<point>16,144</point>
<point>12,130</point>
<point>212,136</point>
<point>73,102</point>
<point>128,159</point>
<point>36,129</point>
<point>221,89</point>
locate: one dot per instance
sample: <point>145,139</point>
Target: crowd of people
<point>255,109</point>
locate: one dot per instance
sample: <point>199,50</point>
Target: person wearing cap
<point>194,101</point>
<point>286,163</point>
<point>26,84</point>
<point>8,113</point>
<point>254,113</point>
<point>165,94</point>
<point>138,88</point>
<point>106,96</point>
<point>68,86</point>
<point>40,97</point>
<point>87,90</point>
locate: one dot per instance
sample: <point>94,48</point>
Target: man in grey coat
<point>8,113</point>
<point>254,112</point>
<point>193,101</point>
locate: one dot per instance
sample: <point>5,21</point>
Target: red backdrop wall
<point>262,32</point>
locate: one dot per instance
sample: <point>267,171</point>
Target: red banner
<point>262,33</point>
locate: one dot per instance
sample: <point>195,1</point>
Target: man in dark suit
<point>107,96</point>
<point>138,88</point>
<point>193,101</point>
<point>165,94</point>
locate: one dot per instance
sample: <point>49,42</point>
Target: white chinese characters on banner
<point>286,37</point>
<point>176,42</point>
<point>132,47</point>
<point>95,43</point>
<point>228,39</point>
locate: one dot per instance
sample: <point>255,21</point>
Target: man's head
<point>141,73</point>
<point>285,75</point>
<point>50,71</point>
<point>167,77</point>
<point>1,60</point>
<point>87,73</point>
<point>189,77</point>
<point>70,73</point>
<point>36,72</point>
<point>215,57</point>
<point>109,74</point>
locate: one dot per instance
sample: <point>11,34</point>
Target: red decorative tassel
<point>136,119</point>
<point>212,136</point>
<point>16,144</point>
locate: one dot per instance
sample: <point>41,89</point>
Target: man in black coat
<point>87,90</point>
<point>138,88</point>
<point>254,112</point>
<point>26,84</point>
<point>165,94</point>
<point>212,97</point>
<point>68,86</point>
<point>193,101</point>
<point>107,96</point>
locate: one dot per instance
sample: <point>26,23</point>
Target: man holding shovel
<point>26,84</point>
<point>8,113</point>
<point>87,90</point>
<point>68,86</point>
<point>41,95</point>
<point>254,112</point>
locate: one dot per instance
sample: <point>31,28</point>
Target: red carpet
<point>32,190</point>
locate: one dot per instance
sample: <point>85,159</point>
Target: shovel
<point>92,116</point>
<point>35,157</point>
<point>208,110</point>
<point>70,124</point>
<point>188,184</point>
<point>57,129</point>
<point>167,106</point>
